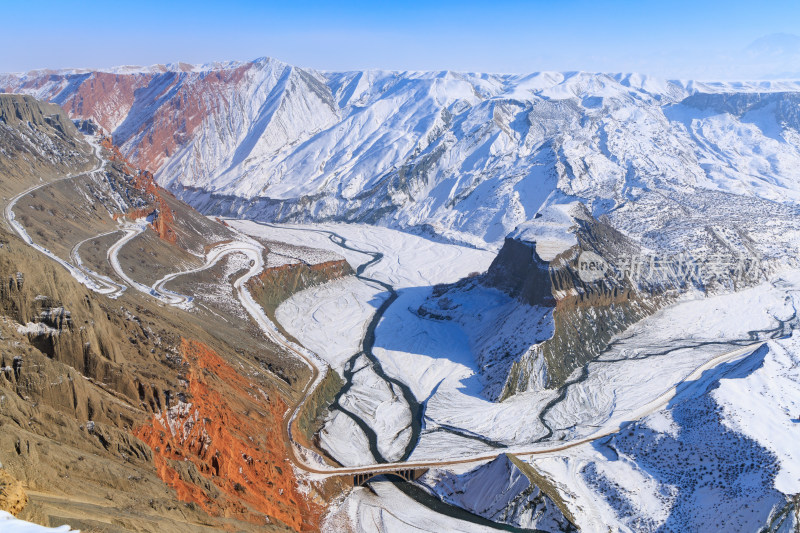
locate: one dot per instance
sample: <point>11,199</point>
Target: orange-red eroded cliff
<point>230,430</point>
<point>144,182</point>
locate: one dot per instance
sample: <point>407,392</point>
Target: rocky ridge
<point>467,156</point>
<point>83,374</point>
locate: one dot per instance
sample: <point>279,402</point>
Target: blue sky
<point>690,39</point>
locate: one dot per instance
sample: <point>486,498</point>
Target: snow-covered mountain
<point>465,155</point>
<point>523,351</point>
<point>677,167</point>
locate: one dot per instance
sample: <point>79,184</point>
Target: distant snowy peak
<point>465,155</point>
<point>158,68</point>
<point>773,54</point>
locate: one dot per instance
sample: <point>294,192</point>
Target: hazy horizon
<point>685,40</point>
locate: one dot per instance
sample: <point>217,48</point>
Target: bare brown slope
<point>73,394</point>
<point>36,139</point>
<point>81,373</point>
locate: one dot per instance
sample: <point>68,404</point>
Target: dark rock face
<point>587,314</point>
<point>519,272</point>
<point>17,109</point>
<point>87,127</point>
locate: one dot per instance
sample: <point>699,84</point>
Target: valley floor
<point>699,344</point>
<point>719,369</point>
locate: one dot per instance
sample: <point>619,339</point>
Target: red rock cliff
<point>229,430</point>
<point>144,182</point>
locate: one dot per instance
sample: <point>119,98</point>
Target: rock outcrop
<point>219,444</point>
<point>37,138</point>
<point>276,284</point>
<point>21,110</point>
<point>157,211</point>
<point>12,496</point>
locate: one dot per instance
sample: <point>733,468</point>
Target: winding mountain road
<point>319,367</point>
<point>92,280</point>
<point>254,252</point>
<point>115,289</point>
<point>133,230</point>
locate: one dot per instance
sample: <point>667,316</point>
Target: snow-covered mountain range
<point>518,349</point>
<point>470,156</point>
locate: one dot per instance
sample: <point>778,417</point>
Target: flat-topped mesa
<point>522,267</point>
<point>573,282</point>
<point>599,281</point>
<point>541,262</point>
<point>539,266</point>
<point>573,265</point>
<point>552,320</point>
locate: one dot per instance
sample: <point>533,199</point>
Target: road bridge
<point>407,474</point>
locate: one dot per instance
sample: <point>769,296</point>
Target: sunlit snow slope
<point>465,155</point>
